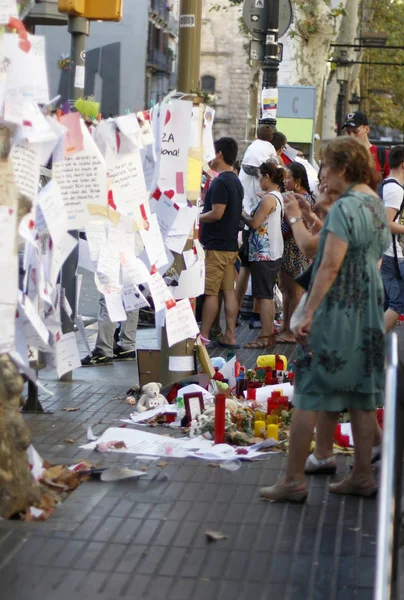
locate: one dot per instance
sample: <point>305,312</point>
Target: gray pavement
<point>145,539</point>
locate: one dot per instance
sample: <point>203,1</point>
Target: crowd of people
<point>337,256</point>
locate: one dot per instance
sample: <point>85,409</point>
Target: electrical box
<point>94,10</point>
<point>104,10</point>
<point>75,8</point>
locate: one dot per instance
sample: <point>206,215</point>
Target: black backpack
<point>400,210</point>
<point>382,157</point>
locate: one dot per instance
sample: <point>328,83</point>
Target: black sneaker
<point>121,354</point>
<point>96,359</point>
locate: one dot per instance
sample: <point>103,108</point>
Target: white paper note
<point>191,283</point>
<point>115,307</point>
<point>133,298</point>
<point>82,179</point>
<point>26,165</point>
<point>154,244</point>
<point>67,354</point>
<point>181,228</point>
<point>128,185</point>
<point>129,127</point>
<point>134,271</point>
<point>159,291</point>
<point>181,364</point>
<point>96,238</point>
<point>53,209</point>
<point>9,277</point>
<point>109,264</point>
<point>36,333</point>
<point>60,252</point>
<point>7,230</point>
<point>7,328</point>
<point>180,322</point>
<point>8,8</point>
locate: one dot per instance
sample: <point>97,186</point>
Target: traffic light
<point>72,7</point>
<point>94,10</point>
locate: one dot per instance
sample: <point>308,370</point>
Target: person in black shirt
<point>220,224</point>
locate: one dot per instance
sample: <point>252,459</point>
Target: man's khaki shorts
<point>220,271</point>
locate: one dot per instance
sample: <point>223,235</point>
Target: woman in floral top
<point>266,248</point>
<point>340,358</point>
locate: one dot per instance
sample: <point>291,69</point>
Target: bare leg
<point>291,293</point>
<point>231,312</point>
<point>209,312</point>
<point>325,428</point>
<point>363,429</point>
<point>215,328</point>
<point>267,313</point>
<point>378,435</point>
<point>285,301</point>
<point>242,284</point>
<point>256,306</point>
<point>301,435</point>
<point>390,319</point>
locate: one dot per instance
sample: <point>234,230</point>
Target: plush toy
<point>151,397</point>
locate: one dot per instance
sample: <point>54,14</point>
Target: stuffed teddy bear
<point>151,397</point>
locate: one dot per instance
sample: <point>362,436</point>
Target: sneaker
<point>325,466</point>
<point>255,323</point>
<point>96,359</point>
<point>121,354</point>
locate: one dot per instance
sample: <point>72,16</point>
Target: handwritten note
<point>109,264</point>
<point>67,354</point>
<point>8,189</point>
<point>60,252</point>
<point>181,228</point>
<point>159,291</point>
<point>128,185</point>
<point>134,271</point>
<point>35,331</point>
<point>8,8</point>
<point>191,283</point>
<point>133,298</point>
<point>129,127</point>
<point>181,323</point>
<point>115,307</point>
<point>26,165</point>
<point>96,238</point>
<point>51,204</point>
<point>154,243</point>
<point>74,137</point>
<point>82,180</point>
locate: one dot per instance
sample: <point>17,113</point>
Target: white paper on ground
<point>149,414</point>
<point>154,244</point>
<point>181,364</point>
<point>35,462</point>
<point>223,452</point>
<point>67,354</point>
<point>145,443</point>
<point>263,393</point>
<point>82,178</point>
<point>180,322</point>
<point>26,165</point>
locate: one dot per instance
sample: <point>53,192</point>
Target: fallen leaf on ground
<point>162,464</point>
<point>70,441</point>
<point>71,409</point>
<point>214,536</point>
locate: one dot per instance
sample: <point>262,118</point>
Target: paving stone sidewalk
<point>145,539</point>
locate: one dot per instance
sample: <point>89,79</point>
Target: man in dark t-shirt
<point>219,232</point>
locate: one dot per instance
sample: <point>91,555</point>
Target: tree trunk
<point>18,489</point>
<point>253,100</point>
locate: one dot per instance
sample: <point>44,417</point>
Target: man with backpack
<point>392,193</point>
<point>357,125</point>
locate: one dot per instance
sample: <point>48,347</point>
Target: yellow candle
<point>272,432</point>
<point>269,361</point>
<point>273,419</point>
<point>259,428</point>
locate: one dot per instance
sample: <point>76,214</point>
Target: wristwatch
<point>294,220</point>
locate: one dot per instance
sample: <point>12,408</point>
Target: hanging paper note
<point>209,151</point>
<point>128,185</point>
<point>26,165</point>
<point>52,207</point>
<point>181,323</point>
<point>154,243</point>
<point>74,136</point>
<point>7,230</point>
<point>83,181</point>
<point>8,8</point>
<point>115,307</point>
<point>67,354</point>
<point>269,103</point>
<point>160,292</point>
<point>133,298</point>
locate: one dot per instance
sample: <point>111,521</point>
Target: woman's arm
<point>265,208</point>
<point>334,253</point>
<point>305,240</point>
<point>395,227</point>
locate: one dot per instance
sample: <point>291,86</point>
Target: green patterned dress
<point>342,366</point>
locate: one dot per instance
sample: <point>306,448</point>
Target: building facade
<point>129,64</point>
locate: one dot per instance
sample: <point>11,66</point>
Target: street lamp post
<point>343,66</point>
<point>270,66</point>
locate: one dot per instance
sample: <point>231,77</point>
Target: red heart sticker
<point>170,194</point>
<point>31,224</point>
<point>111,200</point>
<point>25,45</point>
<point>157,194</point>
<point>10,211</point>
<point>170,303</point>
<point>168,117</point>
<point>153,270</point>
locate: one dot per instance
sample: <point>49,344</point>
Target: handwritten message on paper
<point>82,179</point>
<point>8,8</point>
<point>133,298</point>
<point>53,209</point>
<point>154,243</point>
<point>159,291</point>
<point>26,167</point>
<point>114,303</point>
<point>181,323</point>
<point>67,354</point>
<point>128,185</point>
<point>8,189</point>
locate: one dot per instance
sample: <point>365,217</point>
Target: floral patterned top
<point>266,242</point>
<point>345,353</point>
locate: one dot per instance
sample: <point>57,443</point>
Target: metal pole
<point>189,45</point>
<point>341,106</point>
<point>270,66</point>
<point>189,58</point>
<point>78,27</point>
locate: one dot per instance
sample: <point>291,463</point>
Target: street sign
<point>255,15</point>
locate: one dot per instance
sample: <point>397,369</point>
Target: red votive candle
<point>220,407</point>
<point>337,432</point>
<point>251,393</point>
<point>344,441</point>
<point>276,395</point>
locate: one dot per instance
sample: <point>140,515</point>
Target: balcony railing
<point>160,60</point>
<point>159,7</point>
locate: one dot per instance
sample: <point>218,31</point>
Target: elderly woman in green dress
<point>340,358</point>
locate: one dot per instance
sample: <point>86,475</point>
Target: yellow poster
<point>194,174</point>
